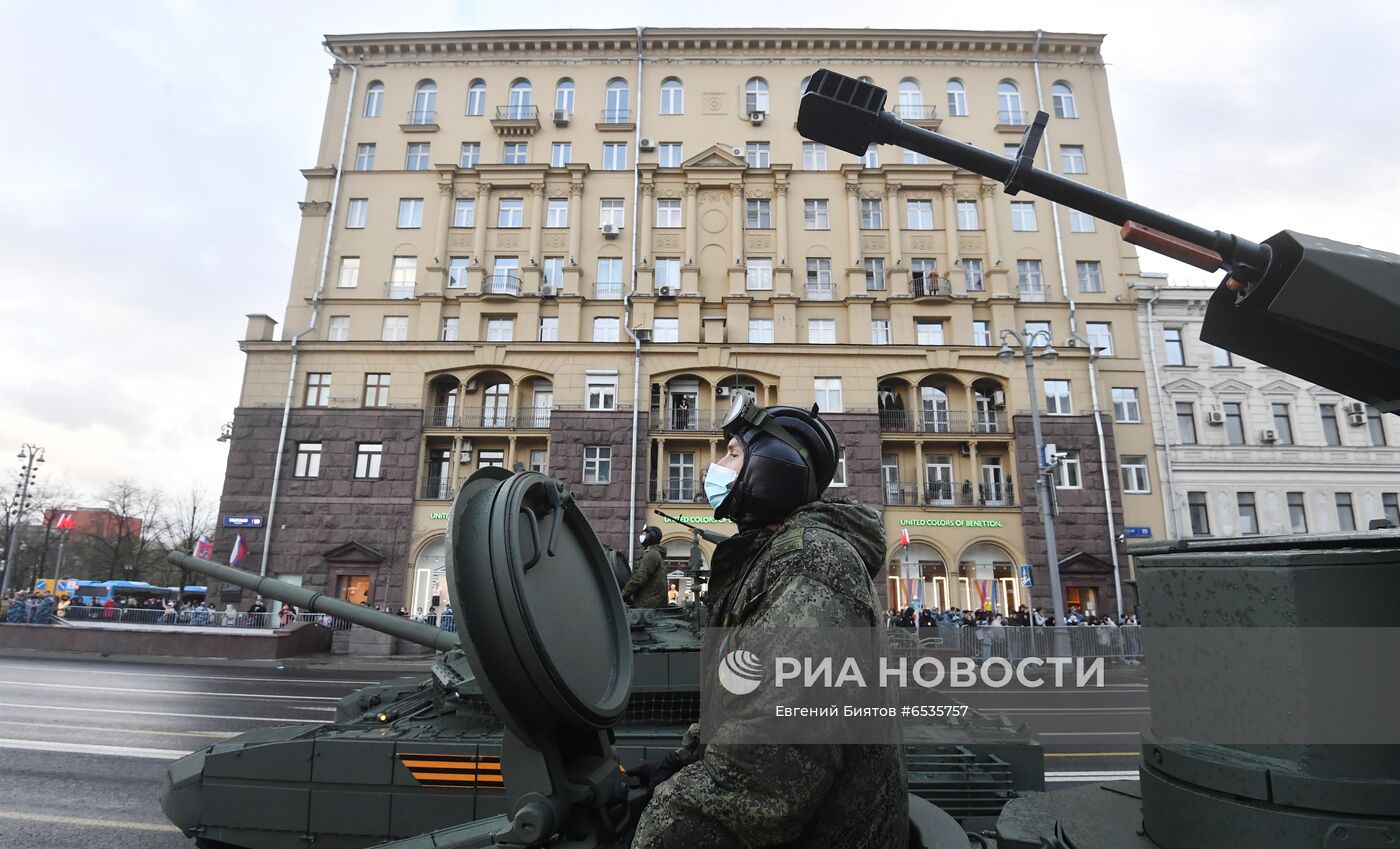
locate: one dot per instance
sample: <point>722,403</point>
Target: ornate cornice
<point>314,208</point>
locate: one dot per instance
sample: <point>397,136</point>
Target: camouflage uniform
<point>647,586</point>
<point>816,569</point>
<point>16,613</point>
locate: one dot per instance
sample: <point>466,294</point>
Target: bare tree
<point>36,537</point>
<point>125,542</point>
<point>185,520</point>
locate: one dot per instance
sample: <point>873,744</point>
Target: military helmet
<point>651,535</point>
<point>790,456</point>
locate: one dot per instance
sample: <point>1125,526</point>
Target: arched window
<point>1009,104</point>
<point>616,102</point>
<point>564,96</point>
<point>374,99</point>
<point>957,98</point>
<point>911,99</point>
<point>672,97</point>
<point>1062,97</point>
<point>518,101</point>
<point>756,96</point>
<point>476,98</point>
<point>424,103</point>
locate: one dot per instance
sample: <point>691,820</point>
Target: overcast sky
<point>151,154</point>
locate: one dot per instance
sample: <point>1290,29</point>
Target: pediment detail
<point>1279,387</point>
<point>1231,387</point>
<point>716,156</point>
<point>1184,386</point>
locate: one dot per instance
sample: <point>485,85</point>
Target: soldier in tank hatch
<point>647,586</point>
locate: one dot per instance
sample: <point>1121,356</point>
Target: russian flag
<point>240,550</point>
<point>904,536</point>
<point>203,549</point>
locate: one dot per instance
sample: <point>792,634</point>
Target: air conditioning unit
<point>666,291</point>
<point>999,399</point>
<point>1357,419</point>
<point>1269,435</point>
<point>1356,408</point>
<point>1215,417</point>
<point>756,118</point>
<point>548,291</point>
<point>737,151</point>
<point>967,449</point>
<point>561,118</point>
<point>723,391</point>
<point>643,334</point>
<point>647,144</point>
<point>470,387</point>
<point>610,230</point>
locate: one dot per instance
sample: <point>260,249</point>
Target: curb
<point>383,666</point>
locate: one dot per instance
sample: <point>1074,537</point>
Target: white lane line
<point>296,720</point>
<point>1120,775</point>
<point>147,692</point>
<point>1088,733</point>
<point>93,749</point>
<point>72,670</point>
<point>84,821</point>
<point>107,729</point>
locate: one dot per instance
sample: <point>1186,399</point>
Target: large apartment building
<point>569,248</point>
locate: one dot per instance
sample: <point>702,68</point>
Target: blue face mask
<point>718,480</point>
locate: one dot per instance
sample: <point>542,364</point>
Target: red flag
<point>904,536</point>
<point>203,549</point>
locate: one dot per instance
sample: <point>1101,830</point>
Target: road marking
<point>148,692</point>
<point>81,671</point>
<point>1087,733</point>
<point>293,719</point>
<point>1066,710</point>
<point>134,826</point>
<point>1124,775</point>
<point>218,735</point>
<point>93,749</point>
<point>1093,754</point>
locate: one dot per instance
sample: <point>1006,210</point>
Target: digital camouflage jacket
<point>816,569</point>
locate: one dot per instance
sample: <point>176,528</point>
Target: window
<point>457,268</point>
<point>597,464</point>
<point>1057,400</point>
<point>606,329</point>
<point>610,211</point>
<point>666,330</point>
<point>318,389</point>
<point>308,460</point>
<point>451,330</point>
<point>1375,426</point>
<point>1249,515</point>
<point>470,156</point>
<point>1067,472</point>
<point>821,331</point>
<point>1176,354</point>
<point>827,394</point>
<point>339,329</point>
<point>1297,513</point>
<point>464,213</point>
<point>967,215</point>
<point>377,390</point>
<point>356,213</point>
<point>367,457</point>
<point>1200,514</point>
<point>601,390</point>
<point>819,286</point>
<point>403,277</point>
<point>758,275</point>
<point>557,213</point>
<point>672,97</point>
<point>668,273</point>
<point>1023,215</point>
<point>1029,279</point>
<point>756,96</point>
<point>920,214</point>
<point>374,99</point>
<point>1062,99</point>
<point>424,103</point>
<point>872,214</point>
<point>756,154</point>
<point>510,212</point>
<point>813,156</point>
<point>922,271</point>
<point>410,213</point>
<point>554,272</point>
<point>668,155</point>
<point>1080,222</point>
<point>615,105</point>
<point>515,153</point>
<point>614,156</point>
<point>1331,433</point>
<point>1234,422</point>
<point>972,275</point>
<point>1283,426</point>
<point>1186,422</point>
<point>871,158</point>
<point>879,331</point>
<point>417,158</point>
<point>1011,150</point>
<point>874,275</point>
<point>1134,470</point>
<point>539,460</point>
<point>758,214</point>
<point>505,276</point>
<point>1072,159</point>
<point>929,332</point>
<point>1037,333</point>
<point>349,272</point>
<point>1009,104</point>
<point>815,215</point>
<point>982,333</point>
<point>957,99</point>
<point>1390,501</point>
<point>518,100</point>
<point>760,331</point>
<point>1125,405</point>
<point>476,98</point>
<point>1100,337</point>
<point>549,329</point>
<point>364,157</point>
<point>668,212</point>
<point>564,96</point>
<point>838,478</point>
<point>1346,517</point>
<point>500,329</point>
<point>395,329</point>
<point>1090,276</point>
<point>913,157</point>
<point>609,283</point>
<point>491,458</point>
<point>560,154</point>
<point>911,99</point>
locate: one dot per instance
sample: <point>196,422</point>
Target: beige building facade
<point>569,249</point>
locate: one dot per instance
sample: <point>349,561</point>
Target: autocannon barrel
<point>407,629</point>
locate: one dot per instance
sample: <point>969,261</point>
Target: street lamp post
<point>1042,467</point>
<point>30,454</point>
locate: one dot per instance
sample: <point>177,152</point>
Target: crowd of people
<point>932,617</point>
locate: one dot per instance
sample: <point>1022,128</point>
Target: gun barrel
<point>407,629</point>
<point>709,536</point>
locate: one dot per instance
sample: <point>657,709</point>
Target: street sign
<point>1026,575</point>
<point>243,521</point>
<point>1132,532</point>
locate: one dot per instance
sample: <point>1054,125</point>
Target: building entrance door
<point>353,588</point>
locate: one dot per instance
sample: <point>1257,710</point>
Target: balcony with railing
<point>420,121</point>
<point>681,490</point>
<point>436,489</point>
<point>1032,294</point>
<point>500,284</point>
<point>607,291</point>
<point>941,421</point>
<point>920,115</point>
<point>615,119</point>
<point>486,418</point>
<point>820,292</point>
<point>398,290</point>
<point>516,119</point>
<point>1010,120</point>
<point>948,494</point>
<point>681,419</point>
<point>924,286</point>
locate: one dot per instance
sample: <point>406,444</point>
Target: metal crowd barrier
<point>1015,642</point>
<point>211,618</point>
